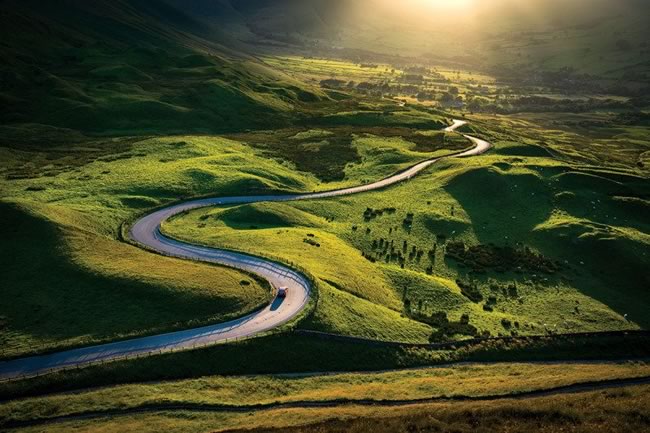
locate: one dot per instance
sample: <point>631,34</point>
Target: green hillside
<point>134,67</point>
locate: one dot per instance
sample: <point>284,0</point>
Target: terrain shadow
<point>53,298</point>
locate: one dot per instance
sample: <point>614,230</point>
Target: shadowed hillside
<point>132,66</point>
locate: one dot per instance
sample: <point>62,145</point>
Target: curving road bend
<point>146,232</point>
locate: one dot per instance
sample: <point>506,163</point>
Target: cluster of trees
<point>376,89</point>
<point>416,82</point>
<point>444,328</point>
<point>564,80</point>
<point>470,290</point>
<point>569,82</point>
<point>541,104</point>
<point>390,252</point>
<point>412,79</point>
<point>502,259</point>
<point>637,118</point>
<point>370,213</point>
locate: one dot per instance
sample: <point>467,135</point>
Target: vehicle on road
<point>282,292</point>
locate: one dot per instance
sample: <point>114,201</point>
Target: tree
<point>447,97</point>
<point>475,105</point>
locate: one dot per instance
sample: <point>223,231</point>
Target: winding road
<point>146,232</point>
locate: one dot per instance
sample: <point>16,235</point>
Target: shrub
<point>502,259</point>
<point>470,291</point>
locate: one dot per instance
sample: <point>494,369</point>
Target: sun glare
<point>447,4</point>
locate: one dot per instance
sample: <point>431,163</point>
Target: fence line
<point>135,355</point>
<point>469,341</point>
<point>330,336</point>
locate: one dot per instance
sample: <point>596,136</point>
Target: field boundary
<point>469,341</point>
<point>291,325</point>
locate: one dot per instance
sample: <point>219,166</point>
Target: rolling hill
<point>133,67</point>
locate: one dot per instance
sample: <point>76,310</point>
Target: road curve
<point>146,232</point>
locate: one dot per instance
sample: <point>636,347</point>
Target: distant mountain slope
<point>607,38</point>
<point>284,21</point>
<point>604,37</point>
<point>132,66</point>
<point>215,14</point>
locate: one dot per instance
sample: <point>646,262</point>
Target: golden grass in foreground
<point>462,380</point>
<point>614,410</point>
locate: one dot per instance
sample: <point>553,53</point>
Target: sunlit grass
<point>478,201</point>
<point>470,380</point>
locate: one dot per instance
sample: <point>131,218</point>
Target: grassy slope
<point>51,179</point>
<point>598,411</point>
<point>132,67</point>
<point>355,297</point>
<point>291,353</point>
<point>478,201</point>
<point>61,276</point>
<point>53,223</point>
<point>367,156</point>
<point>153,73</point>
<point>469,380</point>
<point>585,40</point>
